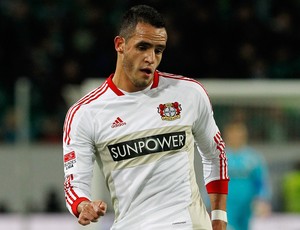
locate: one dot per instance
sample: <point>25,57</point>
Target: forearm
<point>218,207</point>
<point>218,201</point>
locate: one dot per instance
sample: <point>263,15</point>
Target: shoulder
<point>86,103</point>
<point>182,81</point>
<point>92,97</point>
<point>81,114</point>
<point>189,87</point>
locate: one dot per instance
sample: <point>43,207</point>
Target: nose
<point>150,57</point>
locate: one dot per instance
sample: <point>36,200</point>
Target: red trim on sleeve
<point>76,203</point>
<point>217,186</point>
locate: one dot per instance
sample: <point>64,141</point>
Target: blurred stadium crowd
<point>55,43</point>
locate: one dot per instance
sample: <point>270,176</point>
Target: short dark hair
<point>140,14</point>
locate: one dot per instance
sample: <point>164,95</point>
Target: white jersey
<point>144,142</point>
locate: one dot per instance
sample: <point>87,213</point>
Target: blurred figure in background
<point>291,188</point>
<point>249,186</point>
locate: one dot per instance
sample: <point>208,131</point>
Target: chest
<point>132,114</point>
<point>241,166</point>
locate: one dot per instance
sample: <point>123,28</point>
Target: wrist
<point>219,215</point>
<point>78,202</point>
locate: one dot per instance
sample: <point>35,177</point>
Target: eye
<point>159,51</point>
<point>142,47</point>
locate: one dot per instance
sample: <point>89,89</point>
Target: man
<point>141,125</point>
<point>249,174</point>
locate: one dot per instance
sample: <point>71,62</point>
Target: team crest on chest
<point>169,111</point>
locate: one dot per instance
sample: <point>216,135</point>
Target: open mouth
<point>147,71</point>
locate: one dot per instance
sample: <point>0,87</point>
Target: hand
<point>219,225</point>
<point>262,208</point>
<point>90,211</point>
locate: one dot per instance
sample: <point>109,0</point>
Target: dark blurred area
<point>54,43</point>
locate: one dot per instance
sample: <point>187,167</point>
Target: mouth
<point>147,71</point>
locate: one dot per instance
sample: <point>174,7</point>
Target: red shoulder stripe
<point>70,111</point>
<point>85,100</point>
<point>179,77</point>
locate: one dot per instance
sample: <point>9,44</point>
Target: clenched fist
<point>90,211</point>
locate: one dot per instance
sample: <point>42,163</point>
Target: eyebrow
<point>150,44</point>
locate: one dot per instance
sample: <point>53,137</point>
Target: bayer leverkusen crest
<point>169,111</point>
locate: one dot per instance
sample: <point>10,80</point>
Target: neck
<point>122,82</point>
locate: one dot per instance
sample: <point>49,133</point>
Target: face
<point>140,55</point>
<point>235,135</point>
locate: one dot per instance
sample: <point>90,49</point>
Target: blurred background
<point>246,53</point>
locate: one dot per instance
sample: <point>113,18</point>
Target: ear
<point>119,44</point>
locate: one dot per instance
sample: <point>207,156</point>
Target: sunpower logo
<point>147,145</point>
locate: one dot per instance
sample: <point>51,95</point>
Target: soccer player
<point>249,186</point>
<point>141,126</point>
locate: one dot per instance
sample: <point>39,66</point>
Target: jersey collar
<point>120,93</point>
